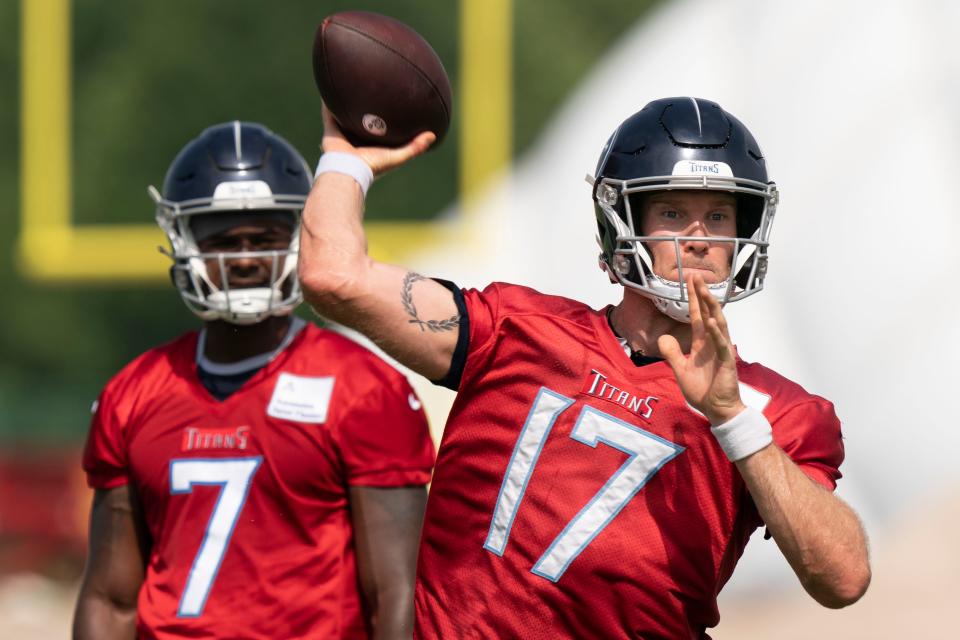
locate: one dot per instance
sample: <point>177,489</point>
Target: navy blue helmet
<point>682,143</point>
<point>232,171</point>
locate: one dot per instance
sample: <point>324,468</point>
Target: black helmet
<point>230,170</point>
<point>682,143</point>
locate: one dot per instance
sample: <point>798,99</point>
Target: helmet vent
<point>690,126</point>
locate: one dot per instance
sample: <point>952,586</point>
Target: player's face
<point>699,214</point>
<point>255,235</point>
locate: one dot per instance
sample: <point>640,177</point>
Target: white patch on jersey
<point>94,406</point>
<point>414,403</point>
<point>752,398</point>
<point>301,399</point>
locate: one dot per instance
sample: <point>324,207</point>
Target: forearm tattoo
<point>406,297</point>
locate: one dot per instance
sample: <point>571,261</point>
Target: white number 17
<point>646,452</point>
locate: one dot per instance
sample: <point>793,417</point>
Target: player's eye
<point>670,214</point>
<point>269,242</point>
<point>220,244</point>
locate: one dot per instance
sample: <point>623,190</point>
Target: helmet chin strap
<point>244,306</point>
<point>667,302</point>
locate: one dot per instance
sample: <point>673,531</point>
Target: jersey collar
<point>247,364</point>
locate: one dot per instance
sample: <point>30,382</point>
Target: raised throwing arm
<point>411,317</point>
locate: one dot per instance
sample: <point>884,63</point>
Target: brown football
<point>380,79</point>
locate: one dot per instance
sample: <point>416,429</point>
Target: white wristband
<point>746,433</point>
<point>349,165</point>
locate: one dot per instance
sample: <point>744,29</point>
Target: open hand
<point>708,374</point>
<point>379,159</point>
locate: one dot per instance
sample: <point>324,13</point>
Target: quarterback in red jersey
<point>601,471</point>
<point>263,478</point>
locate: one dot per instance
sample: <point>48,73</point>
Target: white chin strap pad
<point>668,302</point>
<point>679,311</point>
<point>244,306</point>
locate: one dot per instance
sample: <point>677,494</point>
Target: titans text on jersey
<point>582,490</point>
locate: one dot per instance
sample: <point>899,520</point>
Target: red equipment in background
<point>44,506</point>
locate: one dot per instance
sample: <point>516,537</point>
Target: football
<point>380,79</point>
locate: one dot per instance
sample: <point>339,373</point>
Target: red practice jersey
<point>246,499</point>
<point>577,495</point>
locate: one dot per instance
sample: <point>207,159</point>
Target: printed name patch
<point>301,399</point>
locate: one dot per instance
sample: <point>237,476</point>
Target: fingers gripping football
<point>379,159</point>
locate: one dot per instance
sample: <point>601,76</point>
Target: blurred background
<point>854,103</point>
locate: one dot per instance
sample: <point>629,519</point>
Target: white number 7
<point>234,476</point>
<point>647,455</point>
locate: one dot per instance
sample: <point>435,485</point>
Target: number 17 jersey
<point>577,495</point>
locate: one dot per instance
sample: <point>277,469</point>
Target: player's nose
<point>244,270</point>
<point>698,234</point>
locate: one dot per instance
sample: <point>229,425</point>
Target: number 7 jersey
<point>577,495</point>
<point>246,499</point>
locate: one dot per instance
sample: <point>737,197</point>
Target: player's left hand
<point>708,374</point>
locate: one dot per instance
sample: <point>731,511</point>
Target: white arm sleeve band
<point>748,432</point>
<point>349,165</point>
